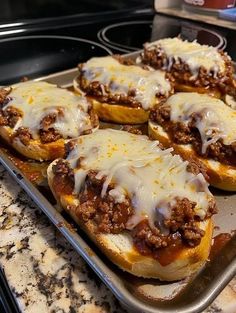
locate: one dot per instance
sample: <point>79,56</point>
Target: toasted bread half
<point>121,93</point>
<point>120,250</point>
<point>220,175</point>
<point>194,67</point>
<point>37,118</point>
<point>119,246</point>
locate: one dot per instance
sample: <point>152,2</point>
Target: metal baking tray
<point>191,295</point>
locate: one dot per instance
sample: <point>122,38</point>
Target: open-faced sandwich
<point>200,128</point>
<point>141,205</point>
<point>37,117</point>
<point>119,92</point>
<point>194,67</point>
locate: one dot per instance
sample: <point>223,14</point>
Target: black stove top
<point>32,10</point>
<point>44,54</point>
<point>120,31</point>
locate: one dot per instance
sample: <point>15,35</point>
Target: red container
<point>211,4</point>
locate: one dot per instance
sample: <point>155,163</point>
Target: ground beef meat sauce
<point>102,93</point>
<point>195,166</point>
<point>49,135</point>
<point>10,115</point>
<point>125,61</point>
<point>23,134</point>
<point>93,118</point>
<point>63,181</point>
<point>188,134</point>
<point>4,98</point>
<point>183,227</point>
<point>48,120</point>
<point>69,146</point>
<point>131,129</point>
<point>46,132</point>
<point>109,216</point>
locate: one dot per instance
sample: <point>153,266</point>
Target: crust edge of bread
<point>35,149</point>
<point>188,88</point>
<point>117,113</point>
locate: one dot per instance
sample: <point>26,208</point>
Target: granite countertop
<point>45,274</point>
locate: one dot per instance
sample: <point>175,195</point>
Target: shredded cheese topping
<point>191,53</point>
<point>215,119</point>
<point>121,78</point>
<point>36,100</point>
<point>152,178</point>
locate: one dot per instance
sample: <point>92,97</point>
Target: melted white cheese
<point>139,169</point>
<point>191,53</point>
<point>216,120</point>
<point>39,99</point>
<point>122,78</point>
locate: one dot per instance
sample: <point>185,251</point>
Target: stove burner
<point>126,36</point>
<point>130,36</point>
<point>34,56</point>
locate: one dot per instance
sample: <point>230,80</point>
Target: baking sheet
<point>138,294</point>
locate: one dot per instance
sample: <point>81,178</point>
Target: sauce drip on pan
<point>219,242</point>
<point>33,170</point>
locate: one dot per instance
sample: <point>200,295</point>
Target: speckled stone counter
<point>45,273</point>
